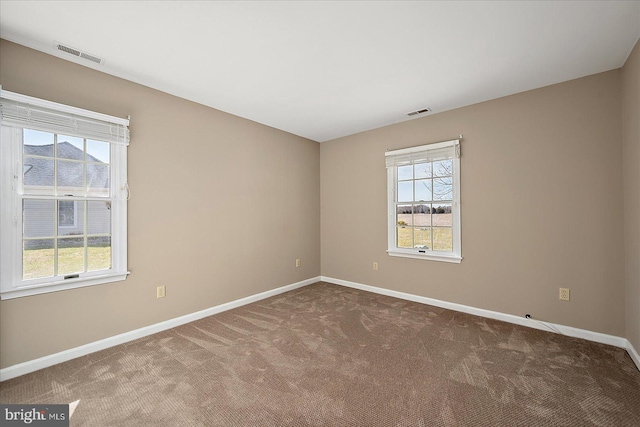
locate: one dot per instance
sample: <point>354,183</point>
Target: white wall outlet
<point>375,266</point>
<point>565,294</point>
<point>160,292</point>
<point>298,263</point>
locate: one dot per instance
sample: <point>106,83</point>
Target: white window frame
<point>12,284</point>
<point>408,156</point>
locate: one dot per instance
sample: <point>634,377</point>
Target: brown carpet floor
<point>326,355</point>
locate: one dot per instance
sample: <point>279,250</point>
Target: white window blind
<point>423,153</point>
<point>22,111</point>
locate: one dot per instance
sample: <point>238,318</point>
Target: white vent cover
<point>79,53</point>
<point>422,111</point>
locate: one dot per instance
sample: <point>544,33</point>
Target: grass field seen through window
<point>442,237</point>
<point>37,263</point>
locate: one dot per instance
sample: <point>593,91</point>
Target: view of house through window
<point>66,206</point>
<point>67,214</point>
<point>64,193</point>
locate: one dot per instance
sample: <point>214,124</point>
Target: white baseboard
<point>634,354</point>
<point>510,318</point>
<point>63,356</point>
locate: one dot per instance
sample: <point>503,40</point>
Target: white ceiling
<point>328,69</point>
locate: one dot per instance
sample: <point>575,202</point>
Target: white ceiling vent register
<point>79,53</point>
<point>422,111</point>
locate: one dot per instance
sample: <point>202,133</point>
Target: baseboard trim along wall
<point>510,318</point>
<point>63,356</point>
<point>633,353</point>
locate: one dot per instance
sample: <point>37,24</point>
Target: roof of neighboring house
<point>40,170</point>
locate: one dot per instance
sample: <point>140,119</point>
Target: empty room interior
<point>320,213</point>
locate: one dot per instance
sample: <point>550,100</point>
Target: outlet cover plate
<point>565,294</point>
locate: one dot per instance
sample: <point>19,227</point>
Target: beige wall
<point>631,168</point>
<point>220,209</point>
<point>541,205</point>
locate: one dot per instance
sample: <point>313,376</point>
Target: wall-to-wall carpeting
<point>325,355</point>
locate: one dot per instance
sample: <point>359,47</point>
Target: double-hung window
<point>424,202</point>
<point>63,182</point>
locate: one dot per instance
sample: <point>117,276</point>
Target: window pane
<point>443,168</point>
<point>405,172</point>
<point>70,255</point>
<point>70,178</point>
<point>405,237</point>
<point>97,180</point>
<point>423,170</point>
<point>443,189</point>
<point>37,258</point>
<point>422,215</point>
<point>423,190</point>
<point>442,215</point>
<point>37,218</point>
<point>403,215</point>
<point>70,218</point>
<point>98,151</point>
<point>99,253</point>
<point>442,239</point>
<point>99,218</point>
<point>37,143</point>
<point>38,176</point>
<point>405,191</point>
<point>422,238</point>
<point>70,147</point>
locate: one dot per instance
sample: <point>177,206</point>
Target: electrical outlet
<point>298,263</point>
<point>160,292</point>
<point>375,266</point>
<point>565,294</point>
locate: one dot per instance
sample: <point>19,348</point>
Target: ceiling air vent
<point>79,53</point>
<point>415,113</point>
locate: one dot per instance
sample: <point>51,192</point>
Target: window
<point>424,202</point>
<point>63,182</point>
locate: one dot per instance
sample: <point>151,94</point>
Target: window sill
<point>452,258</point>
<point>25,291</point>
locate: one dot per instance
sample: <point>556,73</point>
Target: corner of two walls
<point>541,204</point>
<point>631,168</point>
<point>221,208</point>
